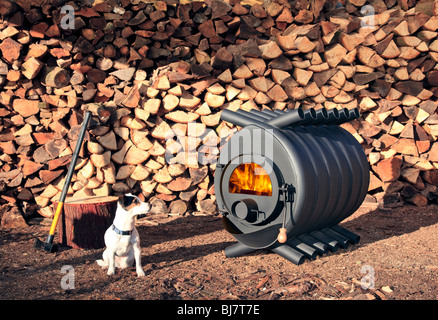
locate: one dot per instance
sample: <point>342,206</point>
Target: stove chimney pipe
<point>346,115</point>
<point>237,119</point>
<point>289,118</point>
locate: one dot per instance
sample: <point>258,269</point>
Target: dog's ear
<point>126,201</point>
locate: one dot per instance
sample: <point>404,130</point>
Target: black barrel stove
<point>287,179</point>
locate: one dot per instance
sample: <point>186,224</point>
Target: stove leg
<point>288,253</point>
<point>237,250</point>
<point>354,238</point>
<point>307,245</point>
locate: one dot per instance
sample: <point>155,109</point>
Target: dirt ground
<point>183,259</point>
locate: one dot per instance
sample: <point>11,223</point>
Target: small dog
<point>122,239</point>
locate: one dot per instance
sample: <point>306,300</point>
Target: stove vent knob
<point>246,209</point>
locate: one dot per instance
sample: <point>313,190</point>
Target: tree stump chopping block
<point>84,221</point>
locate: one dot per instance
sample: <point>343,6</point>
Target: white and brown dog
<point>122,239</point>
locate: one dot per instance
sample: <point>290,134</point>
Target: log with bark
<point>84,221</point>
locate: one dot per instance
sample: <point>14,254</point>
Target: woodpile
<point>166,70</point>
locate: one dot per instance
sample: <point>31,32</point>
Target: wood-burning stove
<point>286,179</point>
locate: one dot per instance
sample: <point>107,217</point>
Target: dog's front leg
<point>137,255</point>
<point>111,254</point>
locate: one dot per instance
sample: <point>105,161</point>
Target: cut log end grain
<point>214,100</point>
<point>170,102</point>
<point>178,207</point>
<point>101,160</point>
<point>207,206</point>
<point>10,49</point>
<point>270,50</point>
<point>163,176</point>
<point>12,218</point>
<point>335,55</point>
<point>222,60</point>
<point>187,100</point>
<point>418,200</point>
<point>26,108</point>
<point>108,141</point>
<point>135,156</point>
<point>31,68</point>
<point>181,116</point>
<point>389,170</point>
<point>57,77</point>
<point>179,184</point>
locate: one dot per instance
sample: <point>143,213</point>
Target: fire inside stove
<point>250,178</point>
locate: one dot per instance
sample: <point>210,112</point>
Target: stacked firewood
<point>165,70</point>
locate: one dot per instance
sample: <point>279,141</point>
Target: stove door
<point>250,189</point>
<point>250,178</point>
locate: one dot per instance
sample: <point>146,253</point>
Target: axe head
<point>47,246</point>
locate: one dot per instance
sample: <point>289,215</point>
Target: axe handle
<point>70,171</point>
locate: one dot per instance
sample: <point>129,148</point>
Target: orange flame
<point>250,178</point>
